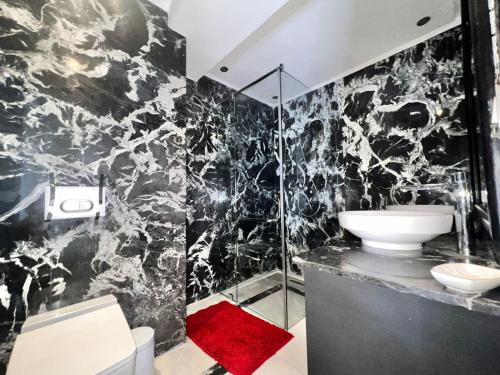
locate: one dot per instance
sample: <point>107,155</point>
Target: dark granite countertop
<point>407,275</point>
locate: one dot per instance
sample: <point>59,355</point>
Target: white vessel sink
<point>395,233</point>
<point>466,277</point>
<point>444,209</point>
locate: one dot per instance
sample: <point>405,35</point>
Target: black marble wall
<point>255,186</point>
<point>314,170</point>
<point>352,142</point>
<point>210,260</point>
<point>232,188</point>
<point>88,86</point>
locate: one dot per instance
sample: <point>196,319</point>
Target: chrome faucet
<point>458,188</point>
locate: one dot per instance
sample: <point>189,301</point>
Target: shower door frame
<point>284,255</point>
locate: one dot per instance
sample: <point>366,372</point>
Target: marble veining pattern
<point>231,188</point>
<point>209,261</point>
<point>86,88</point>
<point>314,173</point>
<point>352,142</point>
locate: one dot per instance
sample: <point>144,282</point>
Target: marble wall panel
<point>350,143</point>
<point>92,87</point>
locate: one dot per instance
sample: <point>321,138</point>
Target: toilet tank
<point>67,312</point>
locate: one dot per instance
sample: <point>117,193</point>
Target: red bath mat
<point>236,339</point>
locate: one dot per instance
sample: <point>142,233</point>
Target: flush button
<point>76,205</point>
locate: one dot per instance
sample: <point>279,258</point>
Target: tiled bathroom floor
<point>271,308</point>
<point>188,359</point>
<point>264,296</point>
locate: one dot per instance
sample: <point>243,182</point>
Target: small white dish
<point>466,277</point>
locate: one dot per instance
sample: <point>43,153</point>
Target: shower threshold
<point>263,294</point>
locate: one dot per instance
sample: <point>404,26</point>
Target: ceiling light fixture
<point>224,69</point>
<point>423,21</point>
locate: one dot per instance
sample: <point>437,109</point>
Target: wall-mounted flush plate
<point>73,202</point>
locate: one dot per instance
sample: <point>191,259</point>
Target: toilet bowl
<point>124,367</point>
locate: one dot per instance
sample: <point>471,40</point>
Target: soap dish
<point>466,277</point>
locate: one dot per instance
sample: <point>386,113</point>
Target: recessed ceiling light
<point>423,21</point>
<point>224,69</point>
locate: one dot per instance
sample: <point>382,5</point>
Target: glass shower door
<point>257,192</point>
<point>256,237</point>
<point>291,90</point>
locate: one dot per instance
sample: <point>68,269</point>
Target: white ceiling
<point>318,41</point>
<point>214,27</point>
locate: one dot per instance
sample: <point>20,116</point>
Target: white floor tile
<point>252,287</point>
<point>272,307</point>
<point>184,359</point>
<point>292,358</point>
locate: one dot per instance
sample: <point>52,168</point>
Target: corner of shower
<point>263,280</point>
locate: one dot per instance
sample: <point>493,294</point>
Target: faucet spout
<point>458,188</point>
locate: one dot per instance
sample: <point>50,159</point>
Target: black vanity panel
<point>354,328</point>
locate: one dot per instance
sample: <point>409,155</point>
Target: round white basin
<point>444,209</point>
<point>395,233</point>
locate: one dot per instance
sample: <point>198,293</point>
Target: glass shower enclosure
<point>263,280</point>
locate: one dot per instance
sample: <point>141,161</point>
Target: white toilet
<point>91,337</point>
